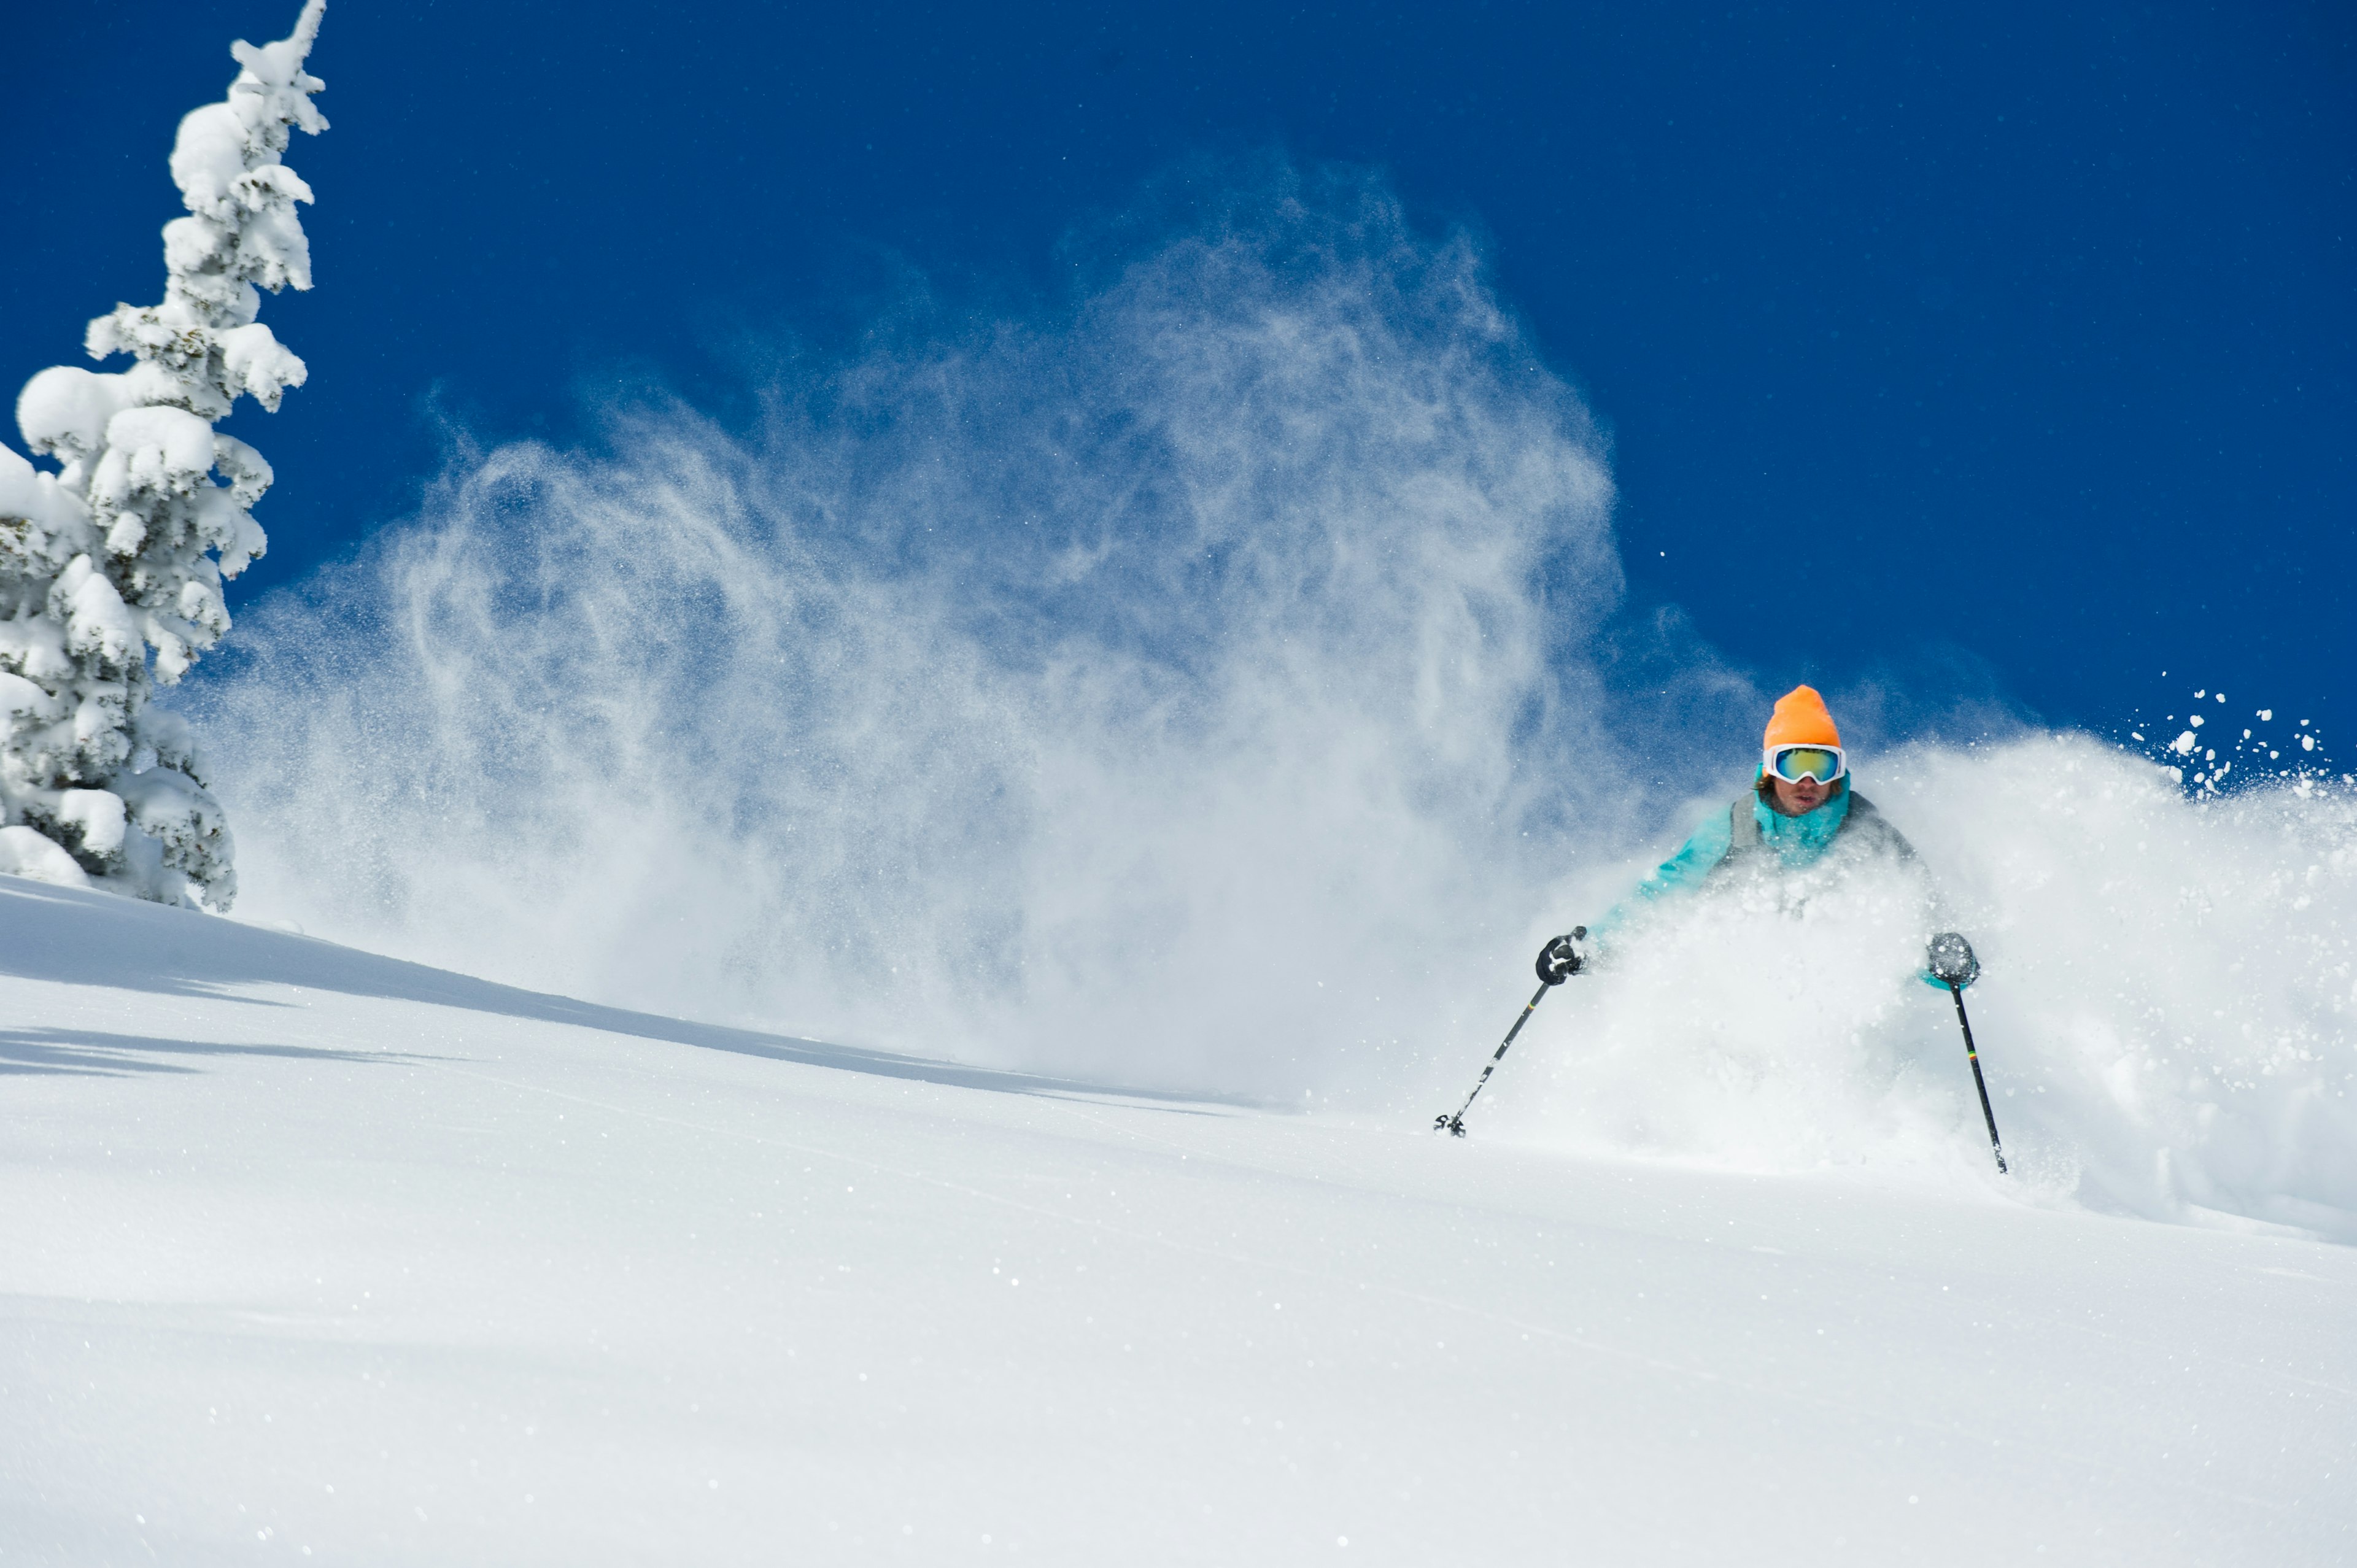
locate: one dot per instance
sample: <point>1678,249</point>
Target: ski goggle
<point>1794,763</point>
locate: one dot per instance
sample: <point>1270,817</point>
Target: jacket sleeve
<point>1889,839</point>
<point>1696,859</point>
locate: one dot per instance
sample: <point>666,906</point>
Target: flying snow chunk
<point>2183,744</point>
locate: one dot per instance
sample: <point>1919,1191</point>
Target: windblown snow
<point>310,1255</point>
<point>1215,686</point>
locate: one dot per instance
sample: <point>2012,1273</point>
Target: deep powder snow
<point>311,1256</point>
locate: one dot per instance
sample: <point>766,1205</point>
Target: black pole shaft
<point>1455,1123</point>
<point>1974,1057</point>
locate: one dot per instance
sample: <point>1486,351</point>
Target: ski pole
<point>1954,964</point>
<point>1980,1083</point>
<point>1557,961</point>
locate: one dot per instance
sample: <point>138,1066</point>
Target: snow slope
<point>309,1254</point>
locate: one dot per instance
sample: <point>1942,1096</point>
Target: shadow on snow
<point>79,938</point>
<point>86,1053</point>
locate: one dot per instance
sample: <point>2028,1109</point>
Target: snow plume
<point>124,551</point>
<point>1207,687</point>
<point>1166,693</point>
<point>2168,1016</point>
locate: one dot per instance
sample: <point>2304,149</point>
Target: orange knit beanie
<point>1802,719</point>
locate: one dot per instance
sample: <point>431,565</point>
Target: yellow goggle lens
<point>1795,763</point>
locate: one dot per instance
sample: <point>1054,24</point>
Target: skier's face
<point>1798,799</point>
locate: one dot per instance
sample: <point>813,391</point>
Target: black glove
<point>1949,961</point>
<point>1559,961</point>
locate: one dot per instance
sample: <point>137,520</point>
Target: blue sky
<point>2008,350</point>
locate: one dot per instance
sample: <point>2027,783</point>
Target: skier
<point>1800,808</point>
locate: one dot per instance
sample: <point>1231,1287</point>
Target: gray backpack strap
<point>1743,828</point>
<point>1870,831</point>
<point>1863,831</point>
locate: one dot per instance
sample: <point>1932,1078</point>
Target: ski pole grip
<point>1952,959</point>
<point>1558,960</point>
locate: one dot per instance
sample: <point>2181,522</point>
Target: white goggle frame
<point>1769,755</point>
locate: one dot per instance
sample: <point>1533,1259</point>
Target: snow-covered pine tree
<point>124,548</point>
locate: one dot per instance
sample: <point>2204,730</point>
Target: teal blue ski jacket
<point>1795,841</point>
<point>1750,828</point>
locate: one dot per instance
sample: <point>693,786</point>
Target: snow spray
<point>1131,693</point>
<point>1183,686</point>
<point>2166,1016</point>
